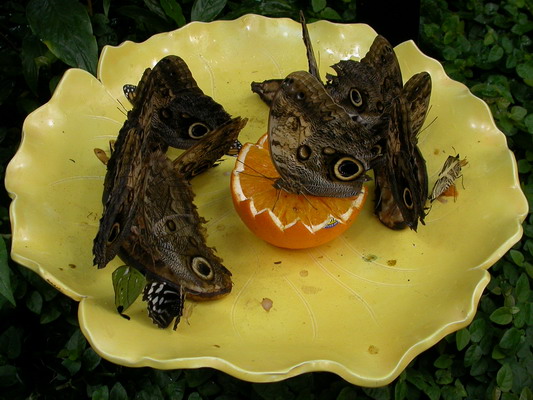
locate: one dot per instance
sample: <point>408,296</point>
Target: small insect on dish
<point>450,172</point>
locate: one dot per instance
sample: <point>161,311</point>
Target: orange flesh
<point>281,218</point>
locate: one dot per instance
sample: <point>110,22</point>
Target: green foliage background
<point>42,352</point>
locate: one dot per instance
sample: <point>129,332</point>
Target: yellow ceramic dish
<point>362,306</point>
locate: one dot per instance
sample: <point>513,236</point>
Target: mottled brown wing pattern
<point>184,114</point>
<point>365,88</point>
<point>167,240</point>
<point>149,217</point>
<point>399,197</point>
<point>204,154</point>
<point>308,140</point>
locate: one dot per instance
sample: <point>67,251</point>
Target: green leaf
<point>118,392</point>
<point>128,284</point>
<point>525,71</point>
<point>101,393</point>
<point>521,318</point>
<point>381,393</point>
<point>49,314</point>
<point>35,302</point>
<point>64,26</point>
<point>422,380</point>
<point>526,394</point>
<point>450,53</point>
<point>31,54</point>
<point>444,376</point>
<point>517,256</point>
<point>175,390</point>
<point>522,289</point>
<point>479,368</point>
<point>194,396</point>
<point>106,4</point>
<point>318,5</point>
<point>155,7</point>
<point>400,390</point>
<point>478,330</point>
<point>528,121</point>
<point>518,113</point>
<point>452,393</point>
<point>195,377</point>
<point>496,52</point>
<point>208,389</point>
<point>502,316</point>
<point>444,361</point>
<point>206,10</point>
<point>74,348</point>
<point>462,338</point>
<point>504,378</point>
<point>347,393</point>
<point>10,342</point>
<point>90,359</point>
<point>497,353</point>
<point>8,375</point>
<point>524,166</point>
<point>511,338</point>
<point>522,28</point>
<point>473,355</point>
<point>330,13</point>
<point>5,282</point>
<point>72,366</point>
<point>174,11</point>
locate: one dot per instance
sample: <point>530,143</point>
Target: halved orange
<point>285,219</point>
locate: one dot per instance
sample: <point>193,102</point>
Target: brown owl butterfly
<point>190,115</point>
<point>368,90</point>
<point>177,262</point>
<point>402,186</point>
<point>139,183</point>
<point>167,243</point>
<point>169,109</point>
<point>316,147</point>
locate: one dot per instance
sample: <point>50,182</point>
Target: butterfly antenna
<point>462,181</point>
<point>259,174</point>
<point>313,68</point>
<point>278,195</point>
<point>427,126</point>
<point>122,108</point>
<point>309,201</point>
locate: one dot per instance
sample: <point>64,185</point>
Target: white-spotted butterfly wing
<point>164,303</point>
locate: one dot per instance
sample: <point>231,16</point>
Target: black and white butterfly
<point>165,303</point>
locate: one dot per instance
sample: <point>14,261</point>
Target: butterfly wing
<point>204,154</point>
<point>315,146</point>
<point>400,195</point>
<point>417,92</point>
<point>183,114</point>
<point>365,88</point>
<point>120,197</point>
<point>168,239</point>
<point>451,170</point>
<point>165,303</point>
